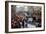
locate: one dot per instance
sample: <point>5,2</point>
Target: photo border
<point>6,16</point>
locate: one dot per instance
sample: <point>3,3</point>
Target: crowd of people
<point>18,21</point>
<point>24,16</point>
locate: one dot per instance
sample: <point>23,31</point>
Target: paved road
<point>30,25</point>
